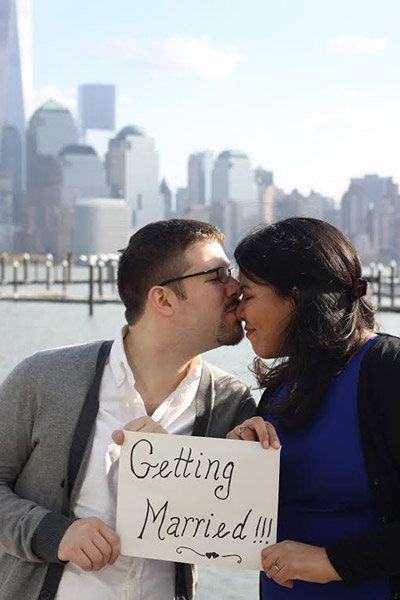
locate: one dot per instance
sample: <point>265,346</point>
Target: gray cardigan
<point>40,415</point>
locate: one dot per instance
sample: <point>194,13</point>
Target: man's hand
<point>145,424</point>
<point>256,429</point>
<point>90,544</point>
<point>287,561</point>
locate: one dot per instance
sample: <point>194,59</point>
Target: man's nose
<point>232,288</point>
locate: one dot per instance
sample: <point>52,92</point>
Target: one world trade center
<point>13,35</point>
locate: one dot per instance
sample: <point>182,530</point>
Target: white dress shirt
<point>119,402</point>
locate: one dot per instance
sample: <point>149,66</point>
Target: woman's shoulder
<point>385,347</point>
<point>380,366</point>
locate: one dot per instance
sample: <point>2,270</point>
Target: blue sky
<point>310,89</point>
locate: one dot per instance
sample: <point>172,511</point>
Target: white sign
<point>197,500</point>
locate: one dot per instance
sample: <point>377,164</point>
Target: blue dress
<point>324,493</point>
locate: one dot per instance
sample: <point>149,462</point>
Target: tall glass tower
<point>13,21</point>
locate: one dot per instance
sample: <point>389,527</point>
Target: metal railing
<point>40,278</point>
<point>43,279</point>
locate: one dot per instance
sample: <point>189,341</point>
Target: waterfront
<point>29,327</point>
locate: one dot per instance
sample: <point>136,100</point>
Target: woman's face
<point>266,316</point>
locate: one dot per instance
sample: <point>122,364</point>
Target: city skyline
<point>307,97</point>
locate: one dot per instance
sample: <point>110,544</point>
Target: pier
<point>91,280</point>
<point>86,280</point>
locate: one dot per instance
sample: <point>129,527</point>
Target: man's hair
<point>155,253</point>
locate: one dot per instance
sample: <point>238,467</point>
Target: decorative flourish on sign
<point>210,555</point>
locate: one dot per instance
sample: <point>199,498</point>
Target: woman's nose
<point>239,311</point>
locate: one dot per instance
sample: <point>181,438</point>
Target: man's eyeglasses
<point>222,274</point>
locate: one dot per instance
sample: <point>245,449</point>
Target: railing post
<point>379,285</point>
<point>36,270</point>
<point>15,276</point>
<point>3,260</point>
<point>393,276</point>
<point>100,265</point>
<point>48,271</point>
<point>91,278</point>
<point>372,278</point>
<point>112,270</point>
<point>26,262</point>
<point>48,264</point>
<point>69,271</point>
<point>64,274</point>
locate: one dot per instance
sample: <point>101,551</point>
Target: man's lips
<point>249,331</point>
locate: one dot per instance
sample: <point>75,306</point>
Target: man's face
<point>208,313</point>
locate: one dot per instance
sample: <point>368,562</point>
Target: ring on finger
<point>241,429</point>
<point>276,567</point>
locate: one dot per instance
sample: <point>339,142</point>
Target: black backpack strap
<point>87,418</point>
<point>103,353</point>
<point>204,403</point>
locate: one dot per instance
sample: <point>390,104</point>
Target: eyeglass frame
<point>207,272</point>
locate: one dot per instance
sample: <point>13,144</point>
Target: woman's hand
<point>145,424</point>
<point>286,561</point>
<point>256,429</point>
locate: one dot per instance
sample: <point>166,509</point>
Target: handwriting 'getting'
<point>183,465</point>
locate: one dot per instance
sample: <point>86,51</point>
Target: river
<point>29,326</point>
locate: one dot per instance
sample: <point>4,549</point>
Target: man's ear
<point>162,299</point>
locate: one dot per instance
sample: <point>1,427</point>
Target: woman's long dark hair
<point>315,264</point>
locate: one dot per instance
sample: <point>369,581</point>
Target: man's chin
<point>230,336</point>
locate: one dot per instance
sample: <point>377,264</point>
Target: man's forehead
<point>206,253</point>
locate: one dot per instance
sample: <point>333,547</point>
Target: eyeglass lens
<point>223,274</point>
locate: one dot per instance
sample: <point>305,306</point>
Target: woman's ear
<point>161,299</point>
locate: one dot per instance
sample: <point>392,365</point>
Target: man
<point>58,409</point>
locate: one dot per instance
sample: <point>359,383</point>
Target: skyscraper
<point>101,225</point>
<point>14,71</point>
<point>368,215</point>
<point>234,204</point>
<point>167,195</point>
<point>265,194</point>
<point>47,220</point>
<point>96,106</point>
<point>51,127</point>
<point>133,173</point>
<point>199,178</point>
<point>83,174</point>
<point>6,216</point>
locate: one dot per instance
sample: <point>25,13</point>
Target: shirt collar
<point>121,370</point>
<point>118,362</point>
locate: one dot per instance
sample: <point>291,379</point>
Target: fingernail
<point>266,445</point>
<point>276,444</point>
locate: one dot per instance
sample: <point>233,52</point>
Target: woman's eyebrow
<point>244,286</point>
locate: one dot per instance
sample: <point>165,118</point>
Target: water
<point>28,327</point>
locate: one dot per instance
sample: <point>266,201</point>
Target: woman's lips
<point>249,332</point>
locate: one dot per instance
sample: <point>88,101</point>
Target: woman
<point>332,395</point>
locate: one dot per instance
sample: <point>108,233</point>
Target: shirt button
<point>396,596</point>
<point>376,482</point>
<point>44,595</point>
<point>384,519</point>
